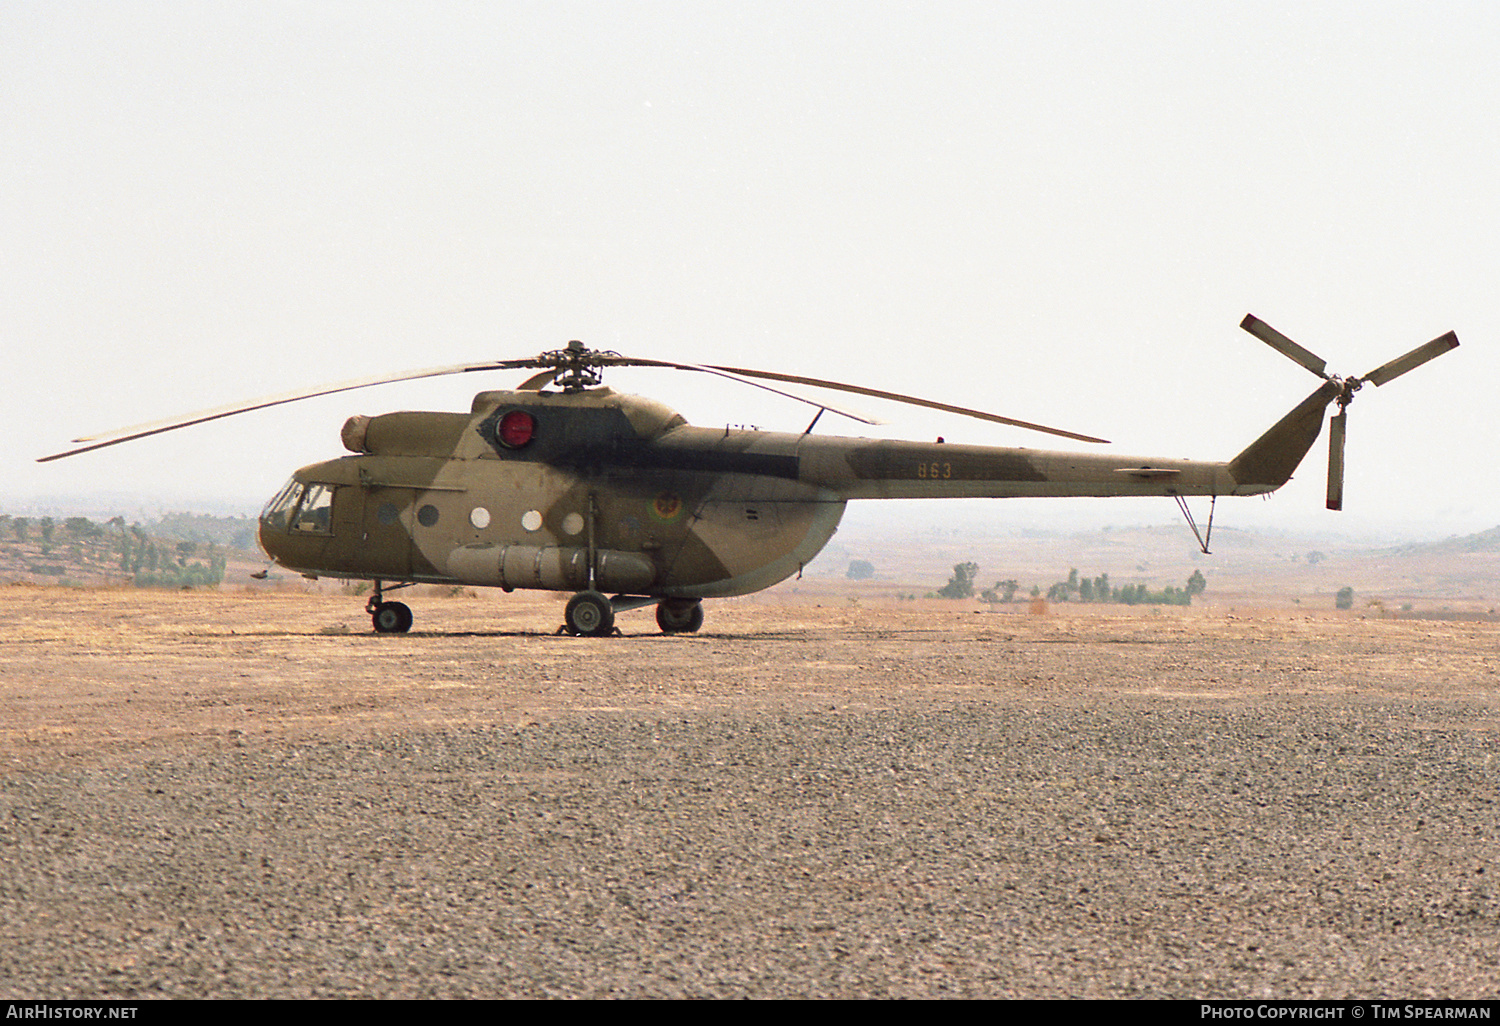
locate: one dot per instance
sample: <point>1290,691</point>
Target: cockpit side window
<point>315,514</point>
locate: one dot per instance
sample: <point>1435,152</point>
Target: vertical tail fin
<point>1271,458</point>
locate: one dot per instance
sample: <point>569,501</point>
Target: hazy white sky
<point>1058,211</point>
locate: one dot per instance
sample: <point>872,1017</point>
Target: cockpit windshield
<point>275,514</point>
<point>299,508</point>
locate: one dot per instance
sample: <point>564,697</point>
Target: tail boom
<point>861,469</point>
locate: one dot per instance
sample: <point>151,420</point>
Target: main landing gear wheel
<point>392,618</point>
<point>679,617</point>
<point>590,614</point>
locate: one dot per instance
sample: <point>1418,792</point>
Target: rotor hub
<point>577,367</point>
<point>1347,387</point>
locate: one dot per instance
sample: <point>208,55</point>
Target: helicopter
<point>563,484</point>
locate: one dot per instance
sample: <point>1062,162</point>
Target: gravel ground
<point>809,803</point>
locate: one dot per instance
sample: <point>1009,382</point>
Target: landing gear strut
<point>388,617</point>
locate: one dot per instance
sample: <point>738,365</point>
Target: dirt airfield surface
<point>235,795</point>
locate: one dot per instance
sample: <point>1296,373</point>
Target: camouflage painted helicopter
<point>577,488</point>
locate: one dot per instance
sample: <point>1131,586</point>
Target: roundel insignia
<point>667,506</point>
<point>516,429</point>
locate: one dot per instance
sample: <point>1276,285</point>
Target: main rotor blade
<point>1283,345</point>
<point>799,379</point>
<point>537,381</point>
<point>743,377</point>
<point>554,366</point>
<point>129,434</point>
<point>1337,425</point>
<point>1412,360</point>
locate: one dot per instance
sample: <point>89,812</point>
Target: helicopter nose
<point>272,533</point>
<point>268,537</point>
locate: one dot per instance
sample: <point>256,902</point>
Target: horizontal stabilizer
<point>1149,473</point>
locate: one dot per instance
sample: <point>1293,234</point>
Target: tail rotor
<point>1338,424</point>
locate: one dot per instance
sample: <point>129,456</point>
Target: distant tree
<point>1344,599</point>
<point>961,584</point>
<point>49,529</point>
<point>1101,588</point>
<point>82,527</point>
<point>1315,557</point>
<point>1197,584</point>
<point>860,570</point>
<point>22,527</point>
<point>1003,591</point>
<point>194,575</point>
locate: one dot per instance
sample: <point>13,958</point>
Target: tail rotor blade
<point>1412,360</point>
<point>1283,345</point>
<point>1336,427</point>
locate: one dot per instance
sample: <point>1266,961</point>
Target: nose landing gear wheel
<point>392,618</point>
<point>590,614</point>
<point>678,617</point>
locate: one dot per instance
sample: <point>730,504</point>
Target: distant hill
<point>1483,541</point>
<point>1246,568</point>
<point>179,550</point>
<point>234,532</point>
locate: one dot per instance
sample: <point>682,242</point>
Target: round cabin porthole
<point>572,523</point>
<point>387,514</point>
<point>427,516</point>
<point>532,519</point>
<point>479,517</point>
